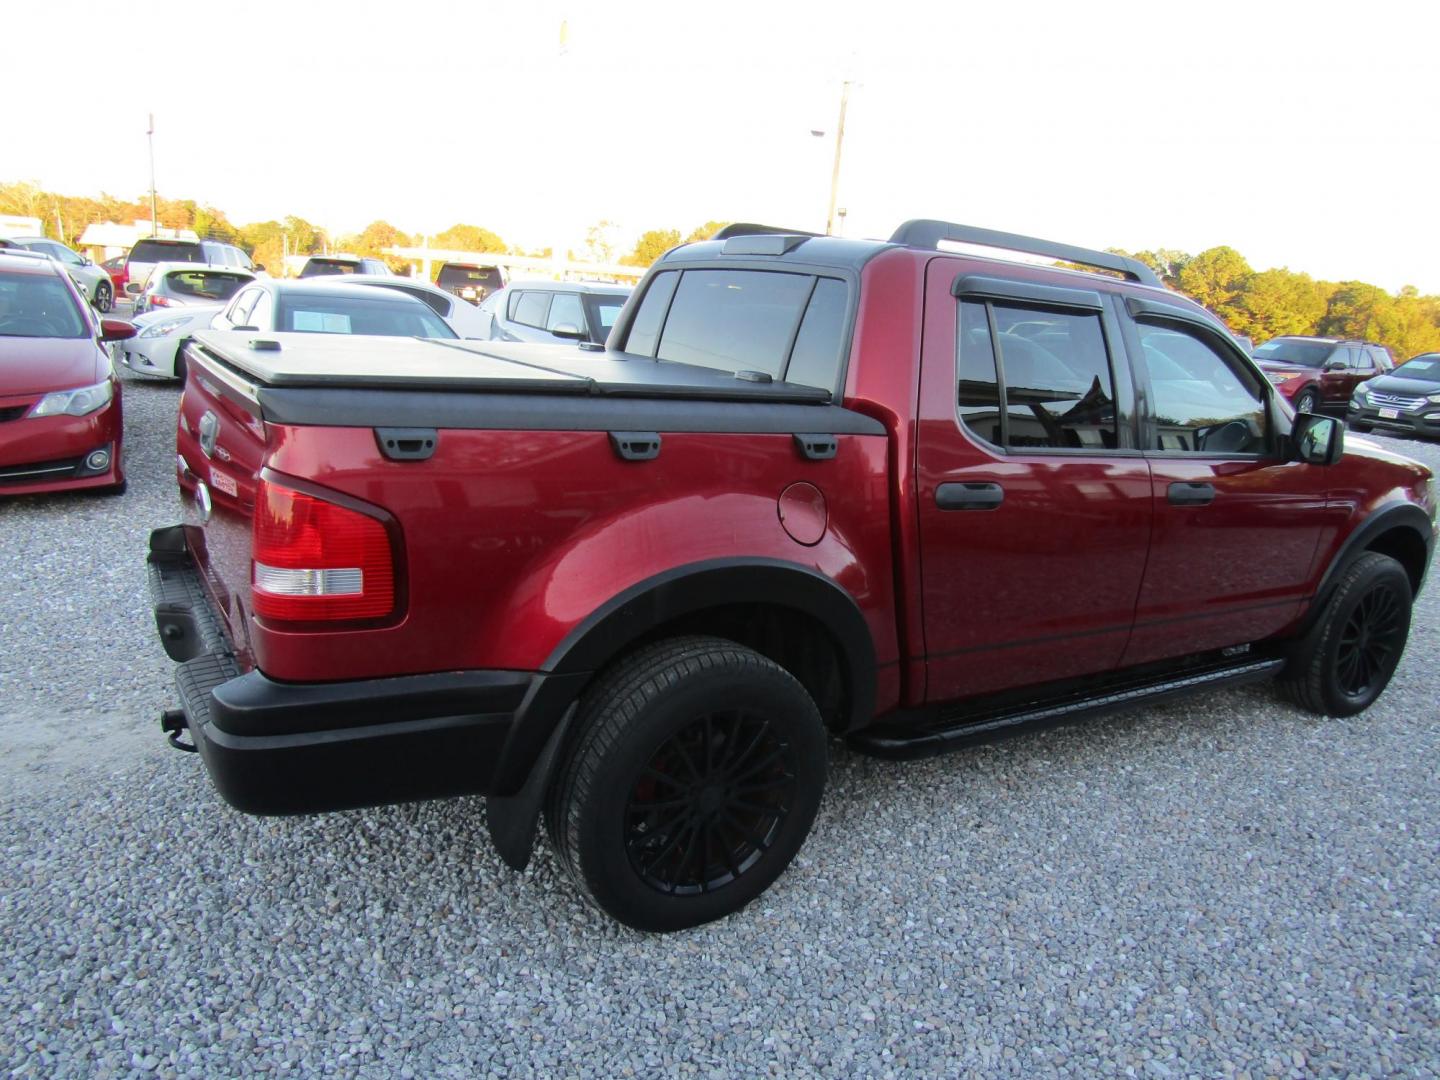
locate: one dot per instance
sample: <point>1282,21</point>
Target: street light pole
<point>835,172</point>
<point>150,133</point>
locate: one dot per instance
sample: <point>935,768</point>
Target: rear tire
<point>1307,401</point>
<point>695,779</point>
<point>1346,660</point>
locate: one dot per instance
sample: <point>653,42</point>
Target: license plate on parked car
<point>1389,414</point>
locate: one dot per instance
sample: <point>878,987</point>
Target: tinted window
<point>1058,390</point>
<point>402,317</point>
<point>645,328</point>
<point>154,251</point>
<point>529,308</point>
<point>1310,354</point>
<point>438,304</point>
<point>35,305</point>
<point>815,360</point>
<point>216,285</point>
<point>566,309</point>
<point>317,267</point>
<point>1363,361</point>
<point>1202,404</point>
<point>734,320</point>
<point>979,391</point>
<point>1420,367</point>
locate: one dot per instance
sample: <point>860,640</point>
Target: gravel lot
<point>1222,886</point>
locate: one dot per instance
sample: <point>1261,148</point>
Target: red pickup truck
<point>811,487</point>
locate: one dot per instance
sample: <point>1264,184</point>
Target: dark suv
<point>1320,374</point>
<point>146,253</point>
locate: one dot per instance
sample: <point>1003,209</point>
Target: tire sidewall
<point>1381,574</point>
<point>604,861</point>
<point>1307,401</point>
<point>104,300</point>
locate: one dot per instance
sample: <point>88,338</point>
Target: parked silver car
<point>152,250</point>
<point>555,311</point>
<point>92,281</point>
<point>173,285</point>
<point>464,318</point>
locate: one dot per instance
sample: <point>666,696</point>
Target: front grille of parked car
<point>13,412</point>
<point>1396,401</point>
<point>39,471</point>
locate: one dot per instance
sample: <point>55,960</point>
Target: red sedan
<point>60,423</point>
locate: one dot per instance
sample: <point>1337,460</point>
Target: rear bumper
<point>294,748</point>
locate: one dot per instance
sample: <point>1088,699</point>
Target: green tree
<point>374,238</point>
<point>1216,279</point>
<point>651,245</point>
<point>1279,302</point>
<point>468,238</point>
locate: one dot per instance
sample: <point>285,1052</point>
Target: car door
<point>1237,525</point>
<point>1034,497</point>
<point>1338,377</point>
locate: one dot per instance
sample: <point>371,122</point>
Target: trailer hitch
<point>173,722</point>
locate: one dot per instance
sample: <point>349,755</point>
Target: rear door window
<point>566,310</point>
<point>1035,379</point>
<point>151,251</point>
<point>211,285</point>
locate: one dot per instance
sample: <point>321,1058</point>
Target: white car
<point>554,311</point>
<point>177,285</point>
<point>322,305</point>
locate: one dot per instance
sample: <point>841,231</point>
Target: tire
<point>1346,660</point>
<point>179,366</point>
<point>694,780</point>
<point>104,297</point>
<point>1308,401</point>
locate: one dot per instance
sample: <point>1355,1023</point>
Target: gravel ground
<point>1215,887</point>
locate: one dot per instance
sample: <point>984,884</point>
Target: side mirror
<point>116,330</point>
<point>568,330</point>
<point>133,288</point>
<point>1317,440</point>
<point>259,268</point>
<point>1335,365</point>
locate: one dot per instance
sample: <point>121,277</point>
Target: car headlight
<point>163,328</point>
<point>1433,399</point>
<point>80,402</point>
<point>1362,391</point>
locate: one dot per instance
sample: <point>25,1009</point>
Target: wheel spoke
<point>745,834</point>
<point>773,759</point>
<point>764,785</point>
<point>740,758</point>
<point>728,848</point>
<point>662,777</point>
<point>670,845</point>
<point>685,860</point>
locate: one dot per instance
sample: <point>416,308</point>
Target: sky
<point>1302,134</point>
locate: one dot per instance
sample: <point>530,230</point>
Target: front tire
<point>1346,660</point>
<point>104,297</point>
<point>695,779</point>
<point>1308,401</point>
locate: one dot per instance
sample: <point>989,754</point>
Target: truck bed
<point>336,360</point>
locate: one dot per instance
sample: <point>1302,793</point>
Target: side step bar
<point>954,730</point>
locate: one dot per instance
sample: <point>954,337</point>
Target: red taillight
<point>314,560</point>
<point>161,301</point>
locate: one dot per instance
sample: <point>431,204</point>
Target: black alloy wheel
<point>104,297</point>
<point>1372,639</point>
<point>1346,660</point>
<point>692,780</point>
<point>709,803</point>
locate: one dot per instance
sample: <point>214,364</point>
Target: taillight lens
<point>161,301</point>
<point>314,560</point>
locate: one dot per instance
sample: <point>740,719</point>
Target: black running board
<point>954,732</point>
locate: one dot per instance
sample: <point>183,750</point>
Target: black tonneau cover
<point>316,361</point>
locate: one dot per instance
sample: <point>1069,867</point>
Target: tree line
<point>65,218</point>
<point>1260,304</point>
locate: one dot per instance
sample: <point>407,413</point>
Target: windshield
<point>454,277</point>
<point>213,285</point>
<point>38,306</point>
<point>603,311</point>
<point>1310,354</point>
<point>351,315</point>
<point>320,267</point>
<point>154,251</point>
<point>1420,367</point>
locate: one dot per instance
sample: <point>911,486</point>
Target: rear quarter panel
<point>512,538</point>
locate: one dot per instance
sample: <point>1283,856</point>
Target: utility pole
<point>835,172</point>
<point>150,133</point>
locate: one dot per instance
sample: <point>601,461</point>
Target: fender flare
<point>532,751</point>
<point>1394,515</point>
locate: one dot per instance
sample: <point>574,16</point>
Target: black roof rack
<point>927,233</point>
